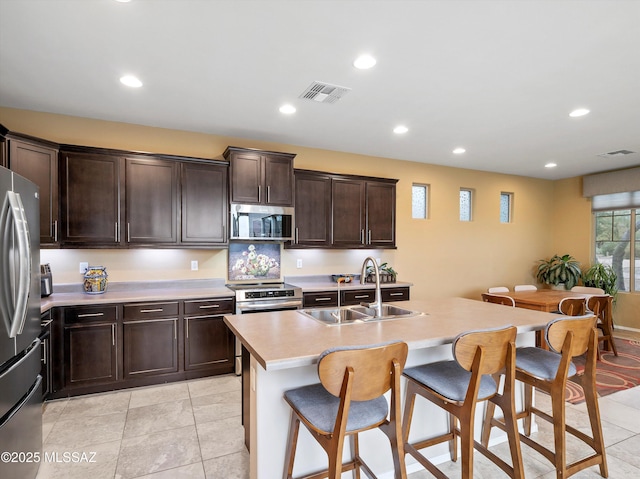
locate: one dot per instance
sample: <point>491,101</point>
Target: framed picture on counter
<point>254,261</point>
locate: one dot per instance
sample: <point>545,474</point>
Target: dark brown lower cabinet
<point>208,342</point>
<point>90,346</point>
<point>150,347</point>
<point>102,348</point>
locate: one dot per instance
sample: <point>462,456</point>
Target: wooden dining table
<point>547,300</point>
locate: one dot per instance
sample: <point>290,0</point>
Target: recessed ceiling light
<point>364,62</point>
<point>400,129</point>
<point>123,1</point>
<point>459,151</point>
<point>579,112</point>
<point>287,109</point>
<point>550,165</point>
<point>131,81</point>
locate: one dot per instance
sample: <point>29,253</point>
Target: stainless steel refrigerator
<point>20,381</point>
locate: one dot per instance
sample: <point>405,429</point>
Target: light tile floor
<point>193,430</point>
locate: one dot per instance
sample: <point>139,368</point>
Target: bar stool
<point>498,299</point>
<point>573,306</point>
<point>350,399</point>
<point>457,386</point>
<point>549,370</point>
<point>600,306</point>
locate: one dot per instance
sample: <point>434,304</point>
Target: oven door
<point>249,307</point>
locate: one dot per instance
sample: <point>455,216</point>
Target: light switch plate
<point>194,265</point>
<point>298,263</point>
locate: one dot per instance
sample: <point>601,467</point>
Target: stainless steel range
<point>262,298</point>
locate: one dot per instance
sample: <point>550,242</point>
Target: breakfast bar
<point>284,346</point>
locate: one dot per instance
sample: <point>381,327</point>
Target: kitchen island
<point>284,347</point>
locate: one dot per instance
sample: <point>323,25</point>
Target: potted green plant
<point>602,276</point>
<point>558,270</point>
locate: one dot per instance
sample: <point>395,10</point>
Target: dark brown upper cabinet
<point>37,160</point>
<point>343,211</point>
<point>312,210</point>
<point>260,177</point>
<point>205,204</point>
<point>91,199</point>
<point>151,201</point>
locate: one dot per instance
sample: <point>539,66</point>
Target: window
<point>466,198</point>
<point>617,244</point>
<point>506,202</point>
<point>420,201</point>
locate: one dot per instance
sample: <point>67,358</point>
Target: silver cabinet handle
<point>296,236</point>
<point>361,296</point>
<point>369,237</point>
<point>362,236</point>
<point>157,310</point>
<point>175,329</point>
<point>55,230</point>
<point>128,233</point>
<point>186,327</point>
<point>44,351</point>
<point>116,231</point>
<point>259,191</point>
<point>90,315</point>
<point>396,294</point>
<point>113,334</point>
<point>209,306</point>
<point>323,299</point>
<point>268,193</point>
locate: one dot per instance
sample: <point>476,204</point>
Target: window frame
<point>471,200</point>
<point>427,191</point>
<point>509,207</point>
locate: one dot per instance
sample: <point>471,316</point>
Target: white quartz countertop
<point>288,339</point>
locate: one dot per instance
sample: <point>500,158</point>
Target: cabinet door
<point>150,347</point>
<point>90,354</point>
<point>204,204</point>
<point>278,180</point>
<point>208,343</point>
<point>381,214</point>
<point>348,213</point>
<point>246,177</point>
<point>312,210</point>
<point>151,201</point>
<point>90,199</point>
<point>40,165</point>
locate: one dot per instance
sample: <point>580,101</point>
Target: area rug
<point>613,373</point>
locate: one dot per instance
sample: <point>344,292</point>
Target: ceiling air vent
<point>324,92</point>
<point>611,154</point>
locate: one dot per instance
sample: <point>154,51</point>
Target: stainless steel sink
<point>335,316</point>
<point>357,314</point>
<point>388,311</point>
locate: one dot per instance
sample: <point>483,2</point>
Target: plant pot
<point>559,287</point>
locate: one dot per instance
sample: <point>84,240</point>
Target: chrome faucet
<point>377,304</point>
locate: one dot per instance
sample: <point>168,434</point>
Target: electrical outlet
<point>298,263</point>
<point>194,265</point>
<point>378,261</point>
<point>84,266</point>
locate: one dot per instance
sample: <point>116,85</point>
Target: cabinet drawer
<point>84,314</point>
<point>320,299</point>
<point>358,296</point>
<point>203,307</point>
<point>395,294</point>
<point>150,310</point>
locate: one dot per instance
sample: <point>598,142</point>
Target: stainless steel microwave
<point>261,222</point>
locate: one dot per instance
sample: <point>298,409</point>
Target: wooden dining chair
<point>549,370</point>
<point>498,299</point>
<point>601,307</point>
<point>457,386</point>
<point>573,306</point>
<point>348,400</point>
<point>587,290</point>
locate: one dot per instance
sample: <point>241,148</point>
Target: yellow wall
<point>441,256</point>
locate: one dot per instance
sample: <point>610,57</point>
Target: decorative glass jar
<point>95,280</point>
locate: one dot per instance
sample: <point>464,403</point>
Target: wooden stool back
<point>573,306</point>
<point>498,299</point>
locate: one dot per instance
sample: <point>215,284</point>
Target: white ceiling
<point>496,77</point>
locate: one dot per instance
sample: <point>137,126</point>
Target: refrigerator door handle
<point>19,315</point>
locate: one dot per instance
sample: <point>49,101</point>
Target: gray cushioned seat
<point>320,408</point>
<point>540,362</point>
<point>450,380</point>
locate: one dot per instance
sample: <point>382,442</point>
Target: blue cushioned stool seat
<point>541,363</point>
<point>450,380</point>
<point>320,408</point>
